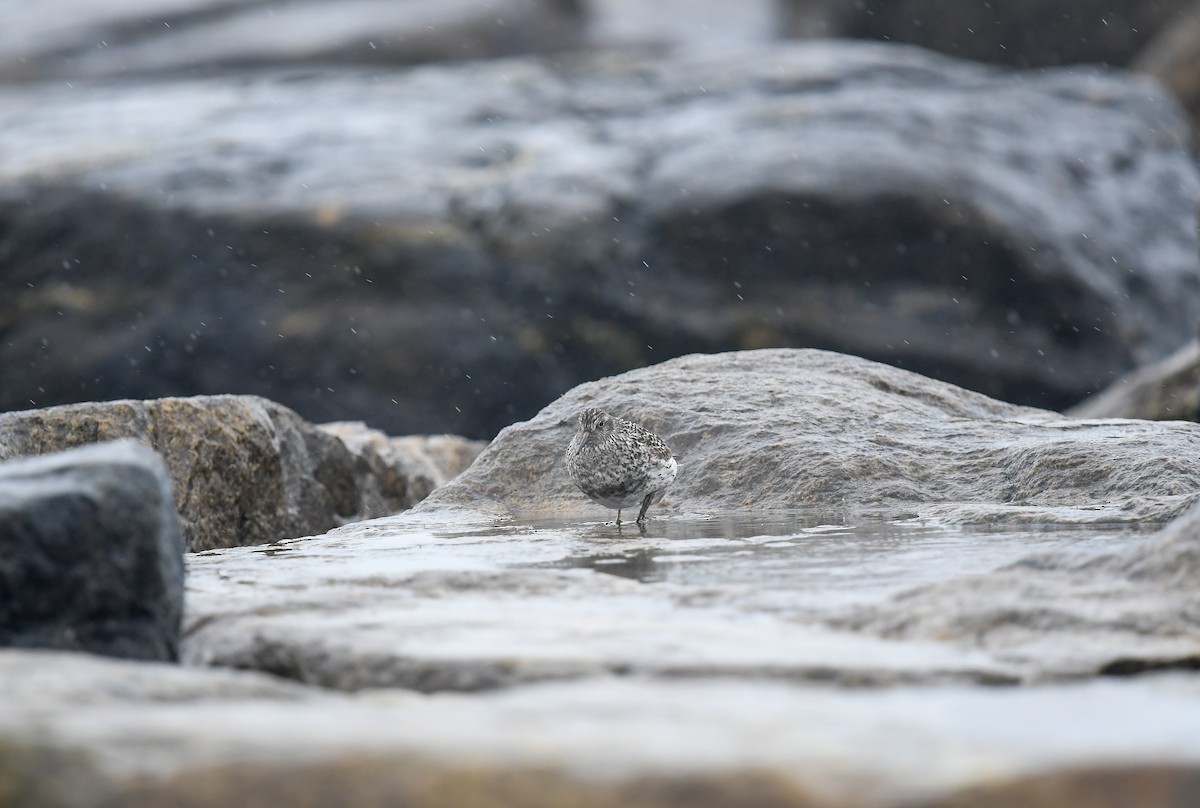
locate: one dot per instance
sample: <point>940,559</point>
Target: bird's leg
<point>642,513</point>
<point>618,517</point>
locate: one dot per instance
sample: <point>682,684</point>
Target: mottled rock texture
<point>92,554</point>
<point>246,470</point>
<point>775,429</point>
<point>449,248</point>
<point>395,473</point>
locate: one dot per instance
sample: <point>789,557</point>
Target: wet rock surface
<point>829,653</point>
<point>803,428</point>
<point>673,673</point>
<point>462,609</point>
<point>867,588</point>
<point>1089,613</point>
<point>246,470</point>
<point>831,439</point>
<point>448,249</point>
<point>92,554</point>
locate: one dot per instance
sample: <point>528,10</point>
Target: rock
<point>156,735</point>
<point>74,39</point>
<point>1168,390</point>
<point>759,656</point>
<point>538,225</point>
<point>462,608</point>
<point>783,429</point>
<point>1118,613</point>
<point>246,470</point>
<point>49,777</point>
<point>492,580</point>
<point>40,679</point>
<point>1172,56</point>
<point>1023,33</point>
<point>397,473</point>
<point>93,555</point>
<point>1171,561</point>
<point>682,23</point>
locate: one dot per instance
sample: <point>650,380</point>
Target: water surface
<point>829,563</point>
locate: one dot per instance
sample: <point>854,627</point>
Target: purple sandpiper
<point>618,463</point>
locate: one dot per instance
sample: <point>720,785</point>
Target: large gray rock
<point>92,553</point>
<point>157,735</point>
<point>74,39</point>
<point>448,249</point>
<point>777,553</point>
<point>246,470</point>
<point>779,429</point>
<point>1024,33</point>
<point>745,657</point>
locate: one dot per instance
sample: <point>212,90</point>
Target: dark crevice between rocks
<point>1129,666</point>
<point>316,668</point>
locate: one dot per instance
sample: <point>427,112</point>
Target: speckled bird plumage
<point>618,463</point>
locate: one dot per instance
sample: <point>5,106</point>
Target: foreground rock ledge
<point>161,735</point>
<point>779,429</point>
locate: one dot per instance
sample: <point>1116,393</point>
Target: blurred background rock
<point>201,197</point>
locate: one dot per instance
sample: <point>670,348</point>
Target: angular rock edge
<point>93,553</point>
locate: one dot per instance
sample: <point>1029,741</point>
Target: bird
<point>619,463</point>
